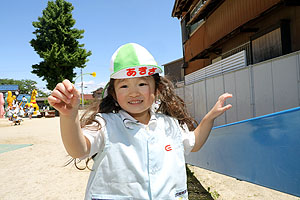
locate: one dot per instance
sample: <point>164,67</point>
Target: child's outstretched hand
<point>219,107</point>
<point>204,128</point>
<point>65,98</point>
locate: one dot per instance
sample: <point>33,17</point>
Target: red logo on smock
<point>168,148</point>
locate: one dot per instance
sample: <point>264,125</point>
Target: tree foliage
<point>25,86</point>
<point>57,44</point>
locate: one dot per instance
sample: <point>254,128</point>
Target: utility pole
<point>82,98</point>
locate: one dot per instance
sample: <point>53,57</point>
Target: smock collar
<point>130,122</point>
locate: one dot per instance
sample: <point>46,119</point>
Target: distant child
<point>16,120</point>
<point>24,100</point>
<point>9,113</point>
<point>16,109</point>
<point>30,111</point>
<point>138,151</point>
<point>21,112</point>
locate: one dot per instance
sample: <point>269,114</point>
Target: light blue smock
<point>136,161</point>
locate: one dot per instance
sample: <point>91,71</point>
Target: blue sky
<point>107,25</point>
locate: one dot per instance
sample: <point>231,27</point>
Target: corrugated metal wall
<point>259,89</point>
<point>229,16</point>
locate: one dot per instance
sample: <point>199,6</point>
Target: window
<point>193,27</point>
<point>267,46</point>
<point>272,42</point>
<point>197,8</point>
<point>193,24</point>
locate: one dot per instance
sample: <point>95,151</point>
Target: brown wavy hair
<point>170,104</point>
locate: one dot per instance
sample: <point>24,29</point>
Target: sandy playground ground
<point>37,171</point>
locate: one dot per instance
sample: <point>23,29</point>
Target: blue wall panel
<point>263,150</point>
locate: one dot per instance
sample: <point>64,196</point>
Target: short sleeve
<point>95,136</point>
<point>188,139</point>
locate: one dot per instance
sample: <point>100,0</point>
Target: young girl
<point>138,151</point>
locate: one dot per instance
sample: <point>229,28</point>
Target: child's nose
<point>134,92</point>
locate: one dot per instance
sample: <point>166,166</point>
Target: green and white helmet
<point>132,60</point>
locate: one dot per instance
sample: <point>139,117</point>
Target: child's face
<point>135,95</point>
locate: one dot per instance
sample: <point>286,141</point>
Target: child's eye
<point>123,86</point>
<point>142,84</point>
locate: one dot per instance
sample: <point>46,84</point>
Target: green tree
<point>25,86</point>
<point>57,44</point>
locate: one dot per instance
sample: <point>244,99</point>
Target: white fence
<point>234,62</point>
<point>259,89</point>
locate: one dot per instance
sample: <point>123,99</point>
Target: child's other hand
<point>65,98</point>
<point>219,107</point>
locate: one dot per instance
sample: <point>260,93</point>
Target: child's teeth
<point>135,101</point>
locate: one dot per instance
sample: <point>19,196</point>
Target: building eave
<point>181,6</point>
<point>174,61</point>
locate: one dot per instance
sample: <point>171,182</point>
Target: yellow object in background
<point>9,99</point>
<point>33,102</point>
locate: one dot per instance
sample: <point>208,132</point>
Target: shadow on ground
<point>195,189</point>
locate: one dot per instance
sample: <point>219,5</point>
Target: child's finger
<point>71,88</point>
<point>61,94</point>
<point>227,107</point>
<point>75,92</point>
<point>52,100</point>
<point>227,95</point>
<point>223,97</point>
<point>64,90</point>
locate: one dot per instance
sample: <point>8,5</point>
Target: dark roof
<point>174,61</point>
<point>181,6</point>
<point>9,88</point>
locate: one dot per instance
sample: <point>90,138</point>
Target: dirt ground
<point>223,187</point>
<point>38,172</point>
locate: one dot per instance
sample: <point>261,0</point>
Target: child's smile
<point>136,96</point>
<point>135,102</point>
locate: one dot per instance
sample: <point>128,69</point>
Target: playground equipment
<point>2,112</point>
<point>33,102</point>
<point>264,150</point>
<point>9,99</point>
<point>23,101</point>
